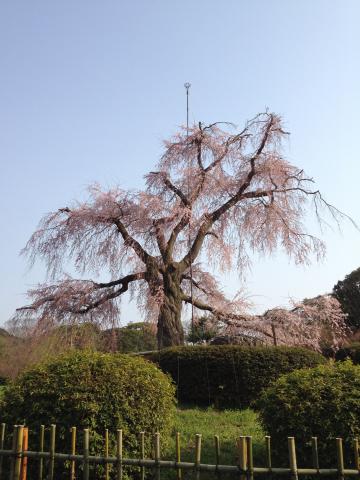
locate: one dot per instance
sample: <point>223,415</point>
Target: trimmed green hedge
<point>92,390</point>
<point>323,402</point>
<point>229,376</point>
<point>351,351</point>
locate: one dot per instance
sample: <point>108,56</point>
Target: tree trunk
<point>170,330</point>
<point>274,334</point>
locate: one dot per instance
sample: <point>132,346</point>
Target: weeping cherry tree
<point>217,195</point>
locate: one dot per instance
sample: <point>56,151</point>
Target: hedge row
<point>229,376</point>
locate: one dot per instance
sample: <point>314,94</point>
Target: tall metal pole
<point>187,86</point>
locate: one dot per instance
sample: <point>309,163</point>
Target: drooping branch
<point>94,234</point>
<point>66,300</point>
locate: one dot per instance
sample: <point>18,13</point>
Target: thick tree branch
<point>129,240</point>
<point>66,289</point>
<point>132,277</point>
<point>228,318</point>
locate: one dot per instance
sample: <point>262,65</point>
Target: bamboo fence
<point>19,454</point>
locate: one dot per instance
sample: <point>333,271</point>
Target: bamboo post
<point>52,451</point>
<point>197,454</point>
<point>142,454</point>
<point>356,454</point>
<point>242,456</point>
<point>41,449</point>
<point>86,455</point>
<point>217,454</point>
<point>13,448</point>
<point>18,451</point>
<point>119,454</point>
<point>178,454</point>
<point>250,458</point>
<point>73,452</point>
<point>340,458</point>
<point>217,449</point>
<point>25,446</point>
<point>292,458</point>
<point>157,454</point>
<point>2,442</point>
<point>106,454</point>
<point>268,452</point>
<point>315,453</point>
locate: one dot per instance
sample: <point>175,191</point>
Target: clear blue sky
<point>88,90</point>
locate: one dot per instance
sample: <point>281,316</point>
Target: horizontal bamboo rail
<point>19,455</point>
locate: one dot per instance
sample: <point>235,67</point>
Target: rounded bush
<point>229,376</point>
<point>323,402</point>
<point>95,391</point>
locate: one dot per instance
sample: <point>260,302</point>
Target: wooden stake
<point>142,454</point>
<point>2,442</point>
<point>157,454</point>
<point>41,449</point>
<point>356,454</point>
<point>25,446</point>
<point>292,458</point>
<point>197,454</point>
<point>217,449</point>
<point>73,452</point>
<point>268,451</point>
<point>250,458</point>
<point>106,453</point>
<point>19,436</point>
<point>315,452</point>
<point>178,454</point>
<point>52,451</point>
<point>340,458</point>
<point>86,454</point>
<point>242,456</point>
<point>119,454</point>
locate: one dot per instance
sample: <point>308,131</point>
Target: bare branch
<point>211,218</point>
<point>172,187</point>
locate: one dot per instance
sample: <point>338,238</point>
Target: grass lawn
<point>228,424</point>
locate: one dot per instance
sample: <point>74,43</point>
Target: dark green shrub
<point>96,391</point>
<point>347,292</point>
<point>229,376</point>
<point>323,402</point>
<point>351,351</point>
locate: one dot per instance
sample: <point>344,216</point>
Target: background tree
<point>202,329</point>
<point>134,337</point>
<point>347,292</point>
<point>317,322</point>
<point>215,196</point>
